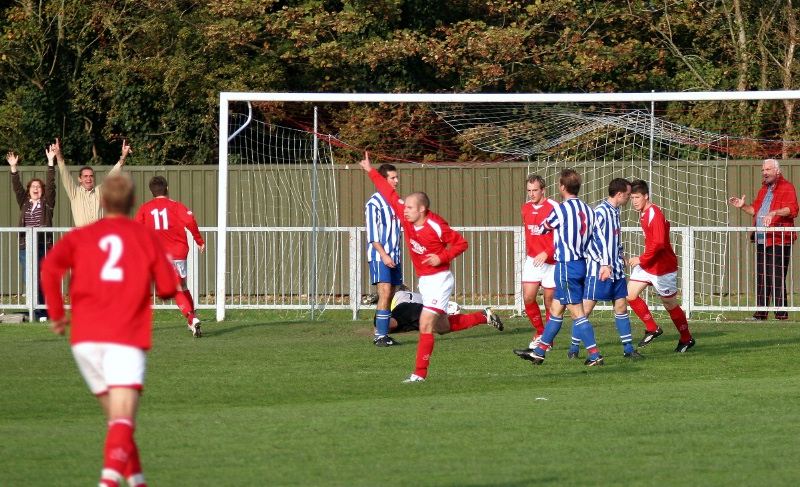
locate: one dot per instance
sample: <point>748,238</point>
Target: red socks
<point>682,325</point>
<point>184,301</point>
<point>118,450</point>
<point>424,351</point>
<point>643,312</point>
<point>462,322</point>
<point>535,316</point>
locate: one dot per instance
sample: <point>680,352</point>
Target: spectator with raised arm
<point>775,206</point>
<point>84,197</point>
<point>37,203</point>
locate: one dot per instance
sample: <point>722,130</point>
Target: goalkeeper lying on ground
<point>407,307</point>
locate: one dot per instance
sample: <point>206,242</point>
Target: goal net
<point>294,194</point>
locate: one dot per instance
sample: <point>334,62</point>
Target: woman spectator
<point>36,205</point>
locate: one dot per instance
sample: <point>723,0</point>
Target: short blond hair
<point>118,193</point>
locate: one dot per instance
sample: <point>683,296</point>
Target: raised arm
<point>70,186</point>
<point>16,184</point>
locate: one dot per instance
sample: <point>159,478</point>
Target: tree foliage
<point>92,73</point>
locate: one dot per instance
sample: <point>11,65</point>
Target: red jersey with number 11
<point>170,219</point>
<point>114,262</point>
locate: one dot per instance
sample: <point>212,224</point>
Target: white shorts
<point>180,267</point>
<point>436,291</point>
<point>106,365</point>
<point>544,273</point>
<point>666,286</point>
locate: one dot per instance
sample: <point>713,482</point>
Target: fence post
<point>31,279</point>
<point>519,255</point>
<point>192,270</point>
<point>355,269</point>
<point>687,264</point>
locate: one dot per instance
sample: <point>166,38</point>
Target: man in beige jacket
<point>84,197</point>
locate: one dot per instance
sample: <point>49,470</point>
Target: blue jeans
<point>39,313</point>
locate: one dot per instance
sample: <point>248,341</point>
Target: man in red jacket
<point>114,263</point>
<point>775,206</point>
<point>432,245</point>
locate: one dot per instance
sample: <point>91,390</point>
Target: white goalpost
<point>594,133</point>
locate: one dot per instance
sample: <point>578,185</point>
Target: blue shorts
<point>378,272</point>
<point>570,278</point>
<point>608,290</point>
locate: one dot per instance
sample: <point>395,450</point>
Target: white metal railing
<point>270,268</point>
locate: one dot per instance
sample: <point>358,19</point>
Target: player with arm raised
<point>432,245</point>
<point>383,254</point>
<point>657,266</point>
<point>572,222</point>
<point>170,219</point>
<point>113,263</point>
<point>605,278</point>
<point>539,267</point>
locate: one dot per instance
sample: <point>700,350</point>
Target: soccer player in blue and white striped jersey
<point>605,278</point>
<point>572,223</point>
<point>384,254</point>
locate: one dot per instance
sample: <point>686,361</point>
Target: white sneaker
<point>195,328</point>
<point>42,319</point>
<point>414,378</point>
<point>536,341</point>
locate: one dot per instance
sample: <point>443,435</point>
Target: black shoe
<point>492,319</point>
<point>384,341</point>
<point>782,316</point>
<point>523,352</point>
<point>572,354</point>
<point>528,354</point>
<point>593,363</point>
<point>683,347</point>
<point>633,355</point>
<point>649,337</point>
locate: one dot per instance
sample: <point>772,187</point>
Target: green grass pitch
<point>272,399</point>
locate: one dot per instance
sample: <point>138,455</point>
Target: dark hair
<point>28,187</point>
<point>535,178</point>
<point>384,170</point>
<point>118,193</point>
<point>159,186</point>
<point>639,187</point>
<point>571,181</point>
<point>80,173</point>
<point>618,185</point>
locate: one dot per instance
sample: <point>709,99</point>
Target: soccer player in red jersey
<point>432,245</point>
<point>170,219</point>
<point>539,267</point>
<point>113,263</point>
<point>657,266</point>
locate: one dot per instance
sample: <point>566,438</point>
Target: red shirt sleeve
<point>656,238</point>
<point>387,191</point>
<point>164,274</point>
<point>54,266</point>
<point>188,220</point>
<point>457,243</point>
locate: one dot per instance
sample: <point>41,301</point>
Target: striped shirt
<point>572,222</point>
<point>383,226</point>
<point>605,246</point>
<point>33,217</point>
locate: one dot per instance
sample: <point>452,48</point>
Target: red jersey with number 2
<point>114,262</point>
<point>170,219</point>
